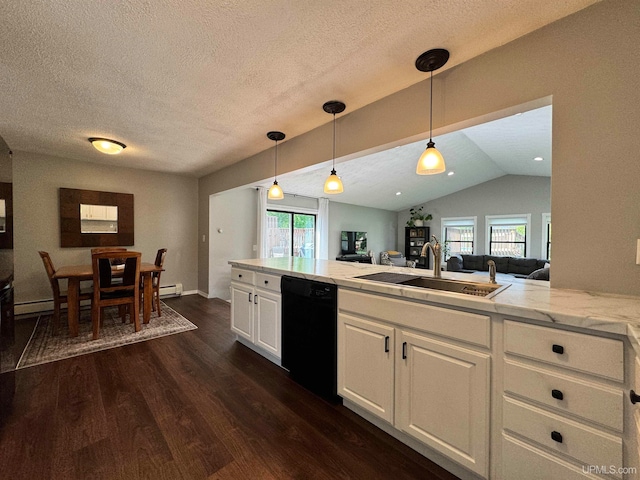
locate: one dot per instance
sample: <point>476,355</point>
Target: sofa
<point>531,268</point>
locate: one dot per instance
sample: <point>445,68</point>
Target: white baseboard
<point>42,306</point>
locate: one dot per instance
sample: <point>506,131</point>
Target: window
<point>546,236</point>
<point>508,235</point>
<point>290,234</point>
<point>458,235</point>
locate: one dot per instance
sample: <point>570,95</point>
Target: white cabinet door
<point>443,398</point>
<point>267,321</point>
<point>366,364</point>
<point>242,310</point>
<point>111,213</point>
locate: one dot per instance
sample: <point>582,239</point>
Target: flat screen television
<point>353,243</point>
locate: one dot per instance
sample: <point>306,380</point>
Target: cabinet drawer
<point>578,351</point>
<point>593,402</point>
<point>523,462</point>
<point>268,282</point>
<point>585,444</point>
<point>241,275</point>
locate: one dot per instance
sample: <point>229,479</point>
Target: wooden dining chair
<point>123,294</point>
<point>155,299</point>
<point>59,296</point>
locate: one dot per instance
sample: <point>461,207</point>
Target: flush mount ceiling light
<point>275,192</point>
<point>333,184</point>
<point>431,161</point>
<point>104,145</point>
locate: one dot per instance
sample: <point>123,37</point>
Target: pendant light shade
<point>333,184</point>
<point>431,160</point>
<point>104,145</point>
<point>275,192</point>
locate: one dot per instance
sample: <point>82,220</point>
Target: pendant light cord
<point>431,108</point>
<point>334,142</point>
<point>275,173</point>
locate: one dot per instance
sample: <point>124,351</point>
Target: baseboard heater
<point>41,306</point>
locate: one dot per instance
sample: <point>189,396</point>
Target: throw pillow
<point>540,274</point>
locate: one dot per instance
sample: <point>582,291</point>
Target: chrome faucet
<point>492,271</point>
<point>436,249</point>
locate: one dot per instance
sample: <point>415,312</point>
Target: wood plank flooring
<point>189,406</point>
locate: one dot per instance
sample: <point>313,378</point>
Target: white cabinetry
<point>366,364</point>
<point>256,311</point>
<point>562,404</point>
<point>98,212</point>
<point>402,362</point>
<point>443,398</point>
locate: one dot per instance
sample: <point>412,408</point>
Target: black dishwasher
<point>309,327</point>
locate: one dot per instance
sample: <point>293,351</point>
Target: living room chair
<point>108,293</point>
<point>59,297</point>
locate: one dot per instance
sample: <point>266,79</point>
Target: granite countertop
<point>533,299</point>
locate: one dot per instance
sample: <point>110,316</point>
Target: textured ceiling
<point>192,86</point>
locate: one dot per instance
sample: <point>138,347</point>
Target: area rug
<point>44,347</point>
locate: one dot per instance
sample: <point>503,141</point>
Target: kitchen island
<point>533,381</point>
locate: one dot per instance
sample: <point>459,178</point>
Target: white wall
<point>592,76</point>
<point>165,216</point>
<point>235,214</point>
<point>511,194</point>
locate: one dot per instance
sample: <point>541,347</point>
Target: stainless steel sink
<point>480,289</point>
<point>486,290</point>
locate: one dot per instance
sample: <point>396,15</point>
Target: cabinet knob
<point>266,282</point>
<point>557,394</point>
<point>634,397</point>
<point>240,275</point>
<point>558,349</point>
<point>556,436</point>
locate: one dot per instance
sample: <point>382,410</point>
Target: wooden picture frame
<point>70,231</point>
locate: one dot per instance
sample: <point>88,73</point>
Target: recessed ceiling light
<point>398,193</point>
<point>538,159</point>
<point>451,173</point>
<point>104,145</point>
<point>518,114</point>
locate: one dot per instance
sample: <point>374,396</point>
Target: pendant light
<point>333,184</point>
<point>431,161</point>
<point>104,145</point>
<point>275,192</point>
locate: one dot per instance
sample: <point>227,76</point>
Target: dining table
<point>74,274</point>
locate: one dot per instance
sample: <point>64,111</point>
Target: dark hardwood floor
<point>188,406</point>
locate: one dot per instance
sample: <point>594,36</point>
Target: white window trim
<point>546,220</point>
<point>453,221</point>
<point>490,220</point>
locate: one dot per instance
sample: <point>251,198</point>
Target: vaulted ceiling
<point>192,86</point>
